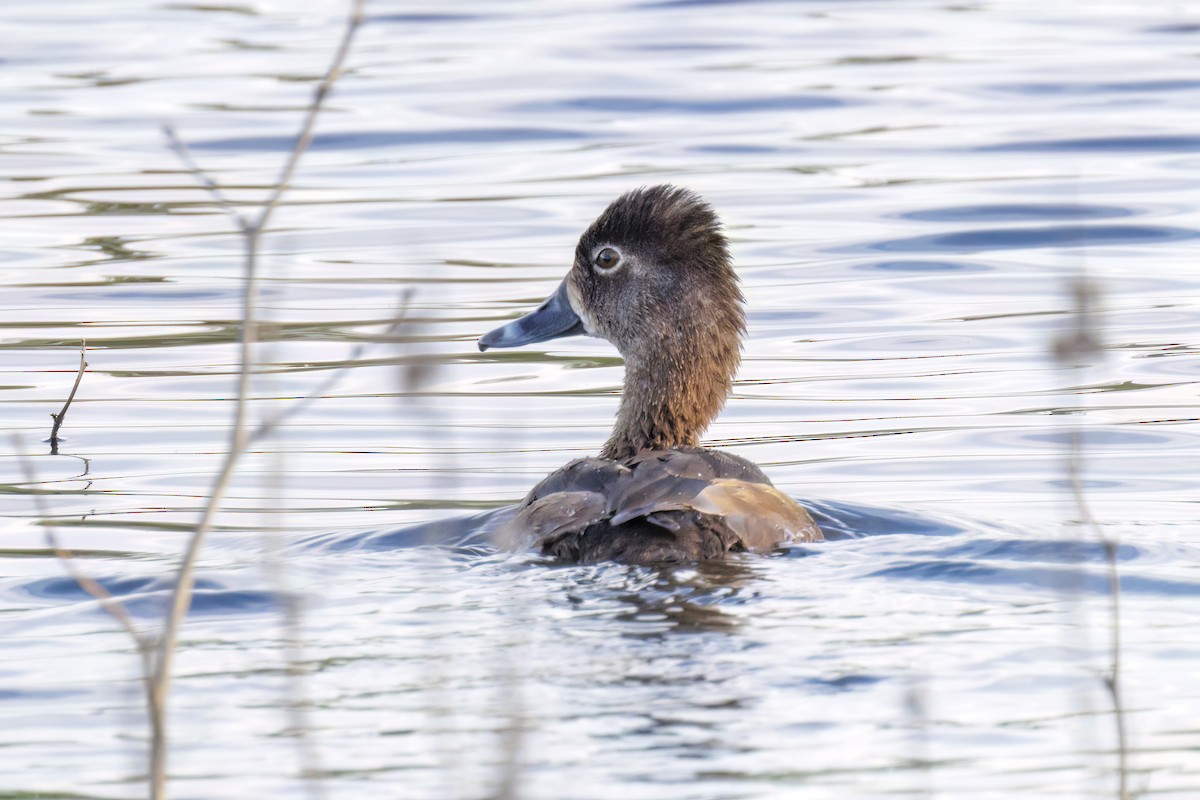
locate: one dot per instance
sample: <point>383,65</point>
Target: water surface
<point>908,187</point>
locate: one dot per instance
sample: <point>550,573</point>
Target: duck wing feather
<point>689,504</point>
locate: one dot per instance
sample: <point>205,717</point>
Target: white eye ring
<point>607,260</point>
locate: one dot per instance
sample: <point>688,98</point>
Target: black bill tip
<point>553,319</point>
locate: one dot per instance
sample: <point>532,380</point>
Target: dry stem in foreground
<point>1077,347</point>
<point>157,653</point>
<point>239,437</point>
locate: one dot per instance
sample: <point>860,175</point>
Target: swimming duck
<point>653,276</point>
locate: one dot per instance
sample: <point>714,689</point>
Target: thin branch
<point>299,703</point>
<point>513,737</point>
<point>111,605</point>
<point>306,130</point>
<point>268,426</point>
<point>62,415</point>
<point>210,183</point>
<point>1076,348</point>
<point>239,435</point>
<point>1112,680</point>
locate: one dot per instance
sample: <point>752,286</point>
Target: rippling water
<point>908,187</point>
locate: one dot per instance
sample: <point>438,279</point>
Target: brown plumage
<point>653,276</point>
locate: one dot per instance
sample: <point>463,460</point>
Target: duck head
<point>653,276</point>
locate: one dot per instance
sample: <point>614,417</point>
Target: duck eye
<point>607,259</point>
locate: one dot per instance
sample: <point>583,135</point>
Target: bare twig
<point>114,607</point>
<point>512,735</point>
<point>1077,348</point>
<point>239,435</point>
<point>268,426</point>
<point>62,414</point>
<point>1112,680</point>
<point>306,129</point>
<point>299,703</point>
<point>916,704</point>
<point>185,155</point>
<point>291,605</point>
<point>109,603</point>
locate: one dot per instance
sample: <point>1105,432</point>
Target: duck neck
<point>674,387</point>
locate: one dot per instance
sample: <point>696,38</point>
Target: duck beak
<point>554,318</point>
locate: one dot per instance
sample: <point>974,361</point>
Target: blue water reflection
<point>908,188</point>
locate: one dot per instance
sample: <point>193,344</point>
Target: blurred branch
<point>62,414</point>
<point>314,109</point>
<point>512,737</point>
<point>1112,680</point>
<point>916,704</point>
<point>185,155</point>
<point>1079,347</point>
<point>299,703</point>
<point>291,603</point>
<point>239,435</point>
<point>268,426</point>
<point>111,605</point>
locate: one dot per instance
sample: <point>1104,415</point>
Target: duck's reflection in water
<point>655,602</point>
